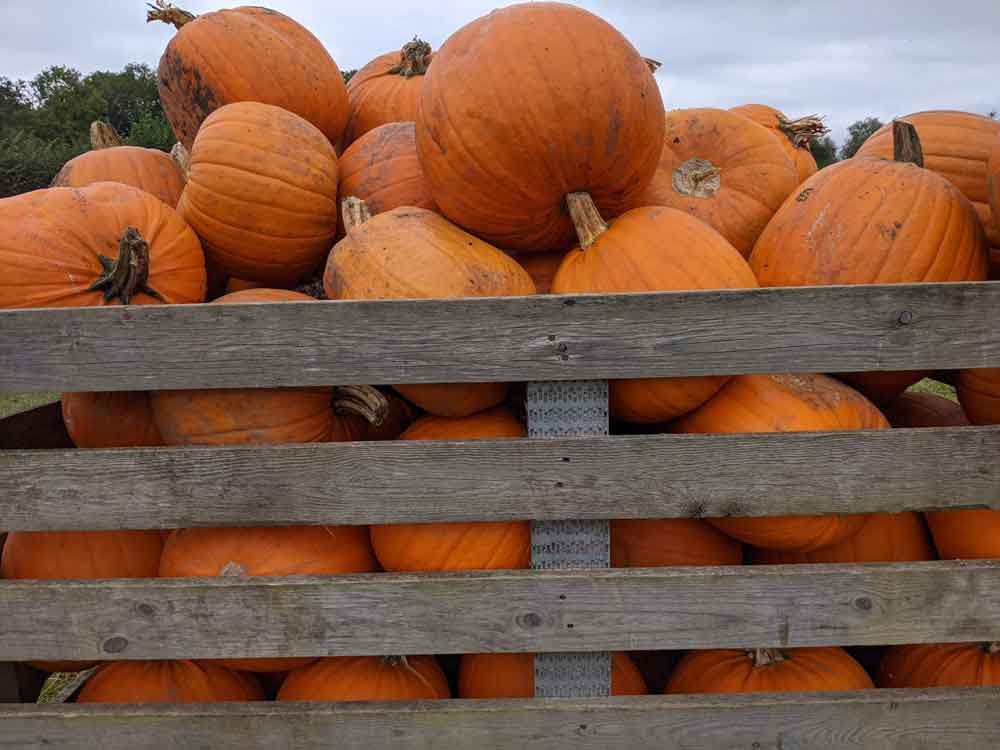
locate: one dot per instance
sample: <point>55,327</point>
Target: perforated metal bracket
<point>568,409</point>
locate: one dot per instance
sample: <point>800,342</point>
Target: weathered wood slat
<point>954,719</point>
<point>594,477</point>
<point>638,609</point>
<point>810,329</point>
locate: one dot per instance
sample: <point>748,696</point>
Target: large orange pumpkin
<point>513,676</point>
<point>104,244</point>
<point>794,135</point>
<point>168,682</point>
<point>724,169</point>
<point>456,546</point>
<point>542,268</point>
<point>965,534</point>
<point>646,250</point>
<point>246,54</point>
<point>367,678</point>
<point>413,253</point>
<point>671,541</point>
<point>956,145</point>
<point>768,670</point>
<point>979,393</point>
<point>110,420</point>
<point>940,665</point>
<point>387,89</point>
<point>267,551</point>
<point>527,104</point>
<point>886,537</point>
<point>922,409</point>
<point>785,403</point>
<point>262,193</point>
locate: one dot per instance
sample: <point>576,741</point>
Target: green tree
<point>857,134</point>
<point>824,151</point>
<point>348,74</point>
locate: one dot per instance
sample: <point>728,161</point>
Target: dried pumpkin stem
<point>765,657</point>
<point>586,218</point>
<point>182,158</point>
<point>414,59</point>
<point>363,401</point>
<point>906,143</point>
<point>104,135</point>
<point>992,648</point>
<point>161,10</point>
<point>653,65</point>
<point>128,274</point>
<point>697,178</point>
<point>354,212</point>
<point>803,131</point>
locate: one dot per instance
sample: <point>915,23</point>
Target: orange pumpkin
<point>527,104</point>
<point>934,665</point>
<point>168,682</point>
<point>387,89</point>
<point>724,169</point>
<point>104,244</point>
<point>267,551</point>
<point>513,676</point>
<point>246,54</point>
<point>367,678</point>
<point>886,537</point>
<point>398,417</point>
<point>413,253</point>
<point>456,546</point>
<point>671,541</point>
<point>965,534</point>
<point>957,146</point>
<point>994,264</point>
<point>768,670</point>
<point>110,420</point>
<point>262,193</point>
<point>87,555</point>
<point>794,135</point>
<point>922,409</point>
<point>240,285</point>
<point>542,268</point>
<point>979,393</point>
<point>785,403</point>
<point>644,250</point>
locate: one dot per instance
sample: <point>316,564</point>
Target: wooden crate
<point>819,329</point>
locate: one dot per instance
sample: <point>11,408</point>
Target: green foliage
<point>29,163</point>
<point>824,151</point>
<point>857,134</point>
<point>348,74</point>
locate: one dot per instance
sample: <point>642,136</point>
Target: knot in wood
<point>115,645</point>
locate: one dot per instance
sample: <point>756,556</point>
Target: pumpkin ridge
<point>289,155</point>
<point>270,178</point>
<point>256,232</point>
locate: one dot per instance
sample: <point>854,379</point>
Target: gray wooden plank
<point>636,609</point>
<point>644,476</point>
<point>809,329</point>
<point>953,719</point>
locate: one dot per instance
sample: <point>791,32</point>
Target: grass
<point>11,403</point>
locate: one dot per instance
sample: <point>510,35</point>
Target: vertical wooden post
<point>565,409</point>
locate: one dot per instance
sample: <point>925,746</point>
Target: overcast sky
<point>847,59</point>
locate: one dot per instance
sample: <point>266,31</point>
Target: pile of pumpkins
<point>530,154</point>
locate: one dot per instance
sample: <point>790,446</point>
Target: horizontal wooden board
<point>637,609</point>
<point>810,329</point>
<point>953,719</point>
<point>596,477</point>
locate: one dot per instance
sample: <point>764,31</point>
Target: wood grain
<point>953,719</point>
<point>809,329</point>
<point>587,478</point>
<point>637,609</point>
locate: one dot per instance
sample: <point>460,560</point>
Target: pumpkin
<point>785,403</point>
<point>541,267</point>
<point>934,665</point>
<point>724,169</point>
<point>794,135</point>
<point>367,678</point>
<point>994,264</point>
<point>870,220</point>
<point>456,546</point>
<point>965,534</point>
<point>957,146</point>
<point>513,676</point>
<point>104,244</point>
<point>262,193</point>
<point>387,89</point>
<point>240,285</point>
<point>644,250</point>
<point>768,670</point>
<point>110,420</point>
<point>979,394</point>
<point>671,541</point>
<point>148,169</point>
<point>267,551</point>
<point>86,555</point>
<point>993,182</point>
<point>246,54</point>
<point>886,537</point>
<point>168,682</point>
<point>398,416</point>
<point>527,104</point>
<point>922,409</point>
<point>413,253</point>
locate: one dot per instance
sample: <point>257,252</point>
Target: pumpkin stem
<point>313,287</point>
<point>654,65</point>
<point>992,648</point>
<point>233,569</point>
<point>765,657</point>
<point>161,10</point>
<point>129,273</point>
<point>801,132</point>
<point>414,59</point>
<point>182,158</point>
<point>363,401</point>
<point>697,178</point>
<point>586,218</point>
<point>354,212</point>
<point>104,135</point>
<point>906,143</point>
